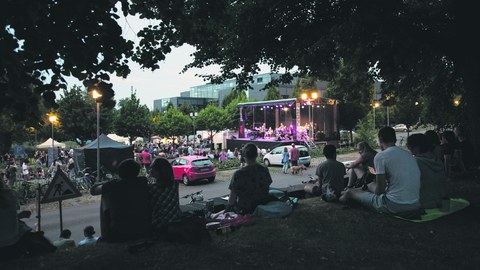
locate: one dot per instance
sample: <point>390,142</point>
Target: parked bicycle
<point>194,197</point>
<point>84,179</point>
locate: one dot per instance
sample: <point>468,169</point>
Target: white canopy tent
<point>48,144</point>
<point>119,139</point>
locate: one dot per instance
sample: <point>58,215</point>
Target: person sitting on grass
<point>64,241</point>
<point>249,186</point>
<point>330,175</point>
<point>125,205</point>
<point>16,237</point>
<point>432,173</point>
<point>89,239</point>
<point>163,197</point>
<point>397,185</point>
<point>359,168</point>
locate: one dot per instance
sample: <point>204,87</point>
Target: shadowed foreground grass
<point>317,235</point>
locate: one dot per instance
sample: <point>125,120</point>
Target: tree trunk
<point>5,142</point>
<point>472,106</point>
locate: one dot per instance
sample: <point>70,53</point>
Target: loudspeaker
<point>252,137</point>
<point>233,137</point>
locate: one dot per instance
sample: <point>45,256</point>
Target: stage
<point>274,123</point>
<point>268,143</point>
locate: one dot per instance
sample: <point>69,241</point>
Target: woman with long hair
<point>359,168</point>
<point>164,202</point>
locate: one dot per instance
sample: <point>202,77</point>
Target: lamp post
<point>97,95</point>
<point>309,100</point>
<point>376,104</point>
<point>52,118</point>
<point>193,115</point>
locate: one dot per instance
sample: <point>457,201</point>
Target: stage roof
<point>267,102</point>
<point>289,101</point>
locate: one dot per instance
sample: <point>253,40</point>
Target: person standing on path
<point>285,160</point>
<point>294,155</point>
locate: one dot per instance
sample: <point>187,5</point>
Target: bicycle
<point>84,179</point>
<point>194,197</point>
<point>203,209</point>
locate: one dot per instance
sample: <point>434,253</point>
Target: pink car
<point>192,168</point>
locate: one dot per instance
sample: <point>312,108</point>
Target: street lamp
<point>52,118</point>
<point>193,115</point>
<point>309,100</point>
<point>97,95</point>
<point>376,104</point>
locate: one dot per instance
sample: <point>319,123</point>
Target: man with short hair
<point>294,155</point>
<point>249,186</point>
<point>330,173</point>
<point>397,185</point>
<point>125,205</point>
<point>64,241</point>
<point>89,239</point>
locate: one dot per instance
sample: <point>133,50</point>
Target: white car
<point>274,157</point>
<point>400,127</point>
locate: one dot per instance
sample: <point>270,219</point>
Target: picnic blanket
<point>456,204</point>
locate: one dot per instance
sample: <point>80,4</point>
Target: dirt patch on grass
<point>318,235</point>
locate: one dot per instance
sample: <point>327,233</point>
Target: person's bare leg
<point>351,194</point>
<point>352,178</point>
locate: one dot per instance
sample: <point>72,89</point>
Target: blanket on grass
<point>456,204</point>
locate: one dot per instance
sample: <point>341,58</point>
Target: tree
<point>411,45</point>
<point>354,90</point>
<point>77,115</point>
<point>235,93</point>
<point>45,41</point>
<point>212,119</point>
<point>407,111</point>
<point>133,119</point>
<point>272,93</point>
<point>173,123</point>
<point>232,112</point>
<point>186,108</point>
<point>304,83</point>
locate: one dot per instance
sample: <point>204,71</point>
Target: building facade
<point>201,95</point>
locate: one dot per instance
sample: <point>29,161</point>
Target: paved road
<point>77,216</point>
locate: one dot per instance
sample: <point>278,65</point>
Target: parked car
<point>192,168</point>
<point>400,127</point>
<point>274,157</point>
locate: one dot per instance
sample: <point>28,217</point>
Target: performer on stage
<point>269,132</point>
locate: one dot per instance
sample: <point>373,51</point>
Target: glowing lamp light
<point>52,118</point>
<point>96,95</point>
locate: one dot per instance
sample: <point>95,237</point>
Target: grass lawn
<point>317,235</point>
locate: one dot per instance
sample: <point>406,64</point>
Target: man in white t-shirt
<point>397,185</point>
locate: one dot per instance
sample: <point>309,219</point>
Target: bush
<point>227,164</point>
<point>316,152</point>
<point>366,131</point>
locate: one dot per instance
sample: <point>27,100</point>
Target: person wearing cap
<point>89,239</point>
<point>294,155</point>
